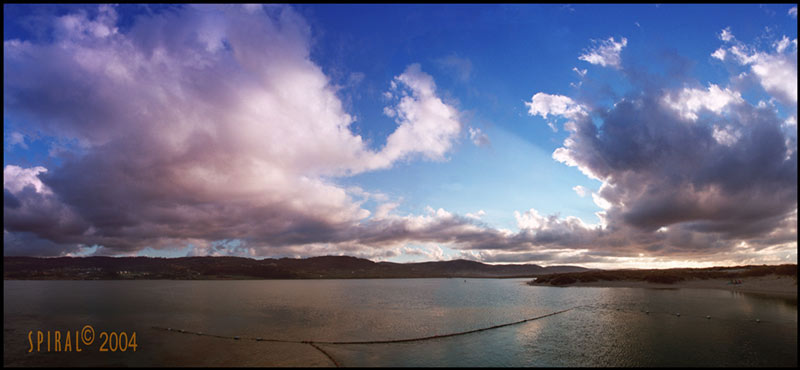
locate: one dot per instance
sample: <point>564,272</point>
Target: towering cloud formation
<point>690,170</point>
<point>197,124</point>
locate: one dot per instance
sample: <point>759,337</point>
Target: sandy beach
<point>770,284</point>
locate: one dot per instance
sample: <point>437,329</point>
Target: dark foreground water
<point>608,327</point>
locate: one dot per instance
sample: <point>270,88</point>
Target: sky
<point>606,136</point>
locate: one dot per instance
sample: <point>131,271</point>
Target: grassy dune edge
<point>779,279</point>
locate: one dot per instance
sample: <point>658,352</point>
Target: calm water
<point>608,328</point>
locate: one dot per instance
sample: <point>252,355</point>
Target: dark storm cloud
<point>662,170</point>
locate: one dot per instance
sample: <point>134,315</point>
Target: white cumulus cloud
<point>776,71</point>
<point>689,102</point>
<point>719,54</point>
<point>546,104</point>
<point>426,125</point>
<point>16,178</point>
<point>605,52</point>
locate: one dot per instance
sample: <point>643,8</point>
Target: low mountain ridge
<point>199,268</point>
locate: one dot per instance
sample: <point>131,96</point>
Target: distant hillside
<point>191,268</point>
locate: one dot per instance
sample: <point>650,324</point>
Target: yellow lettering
<point>77,342</point>
<point>30,340</point>
<point>58,341</point>
<point>67,344</point>
<point>39,340</point>
<point>48,341</point>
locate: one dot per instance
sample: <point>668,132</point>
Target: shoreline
<point>784,286</point>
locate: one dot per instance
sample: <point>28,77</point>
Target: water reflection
<point>609,327</point>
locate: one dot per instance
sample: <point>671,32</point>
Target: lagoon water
<point>607,327</point>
